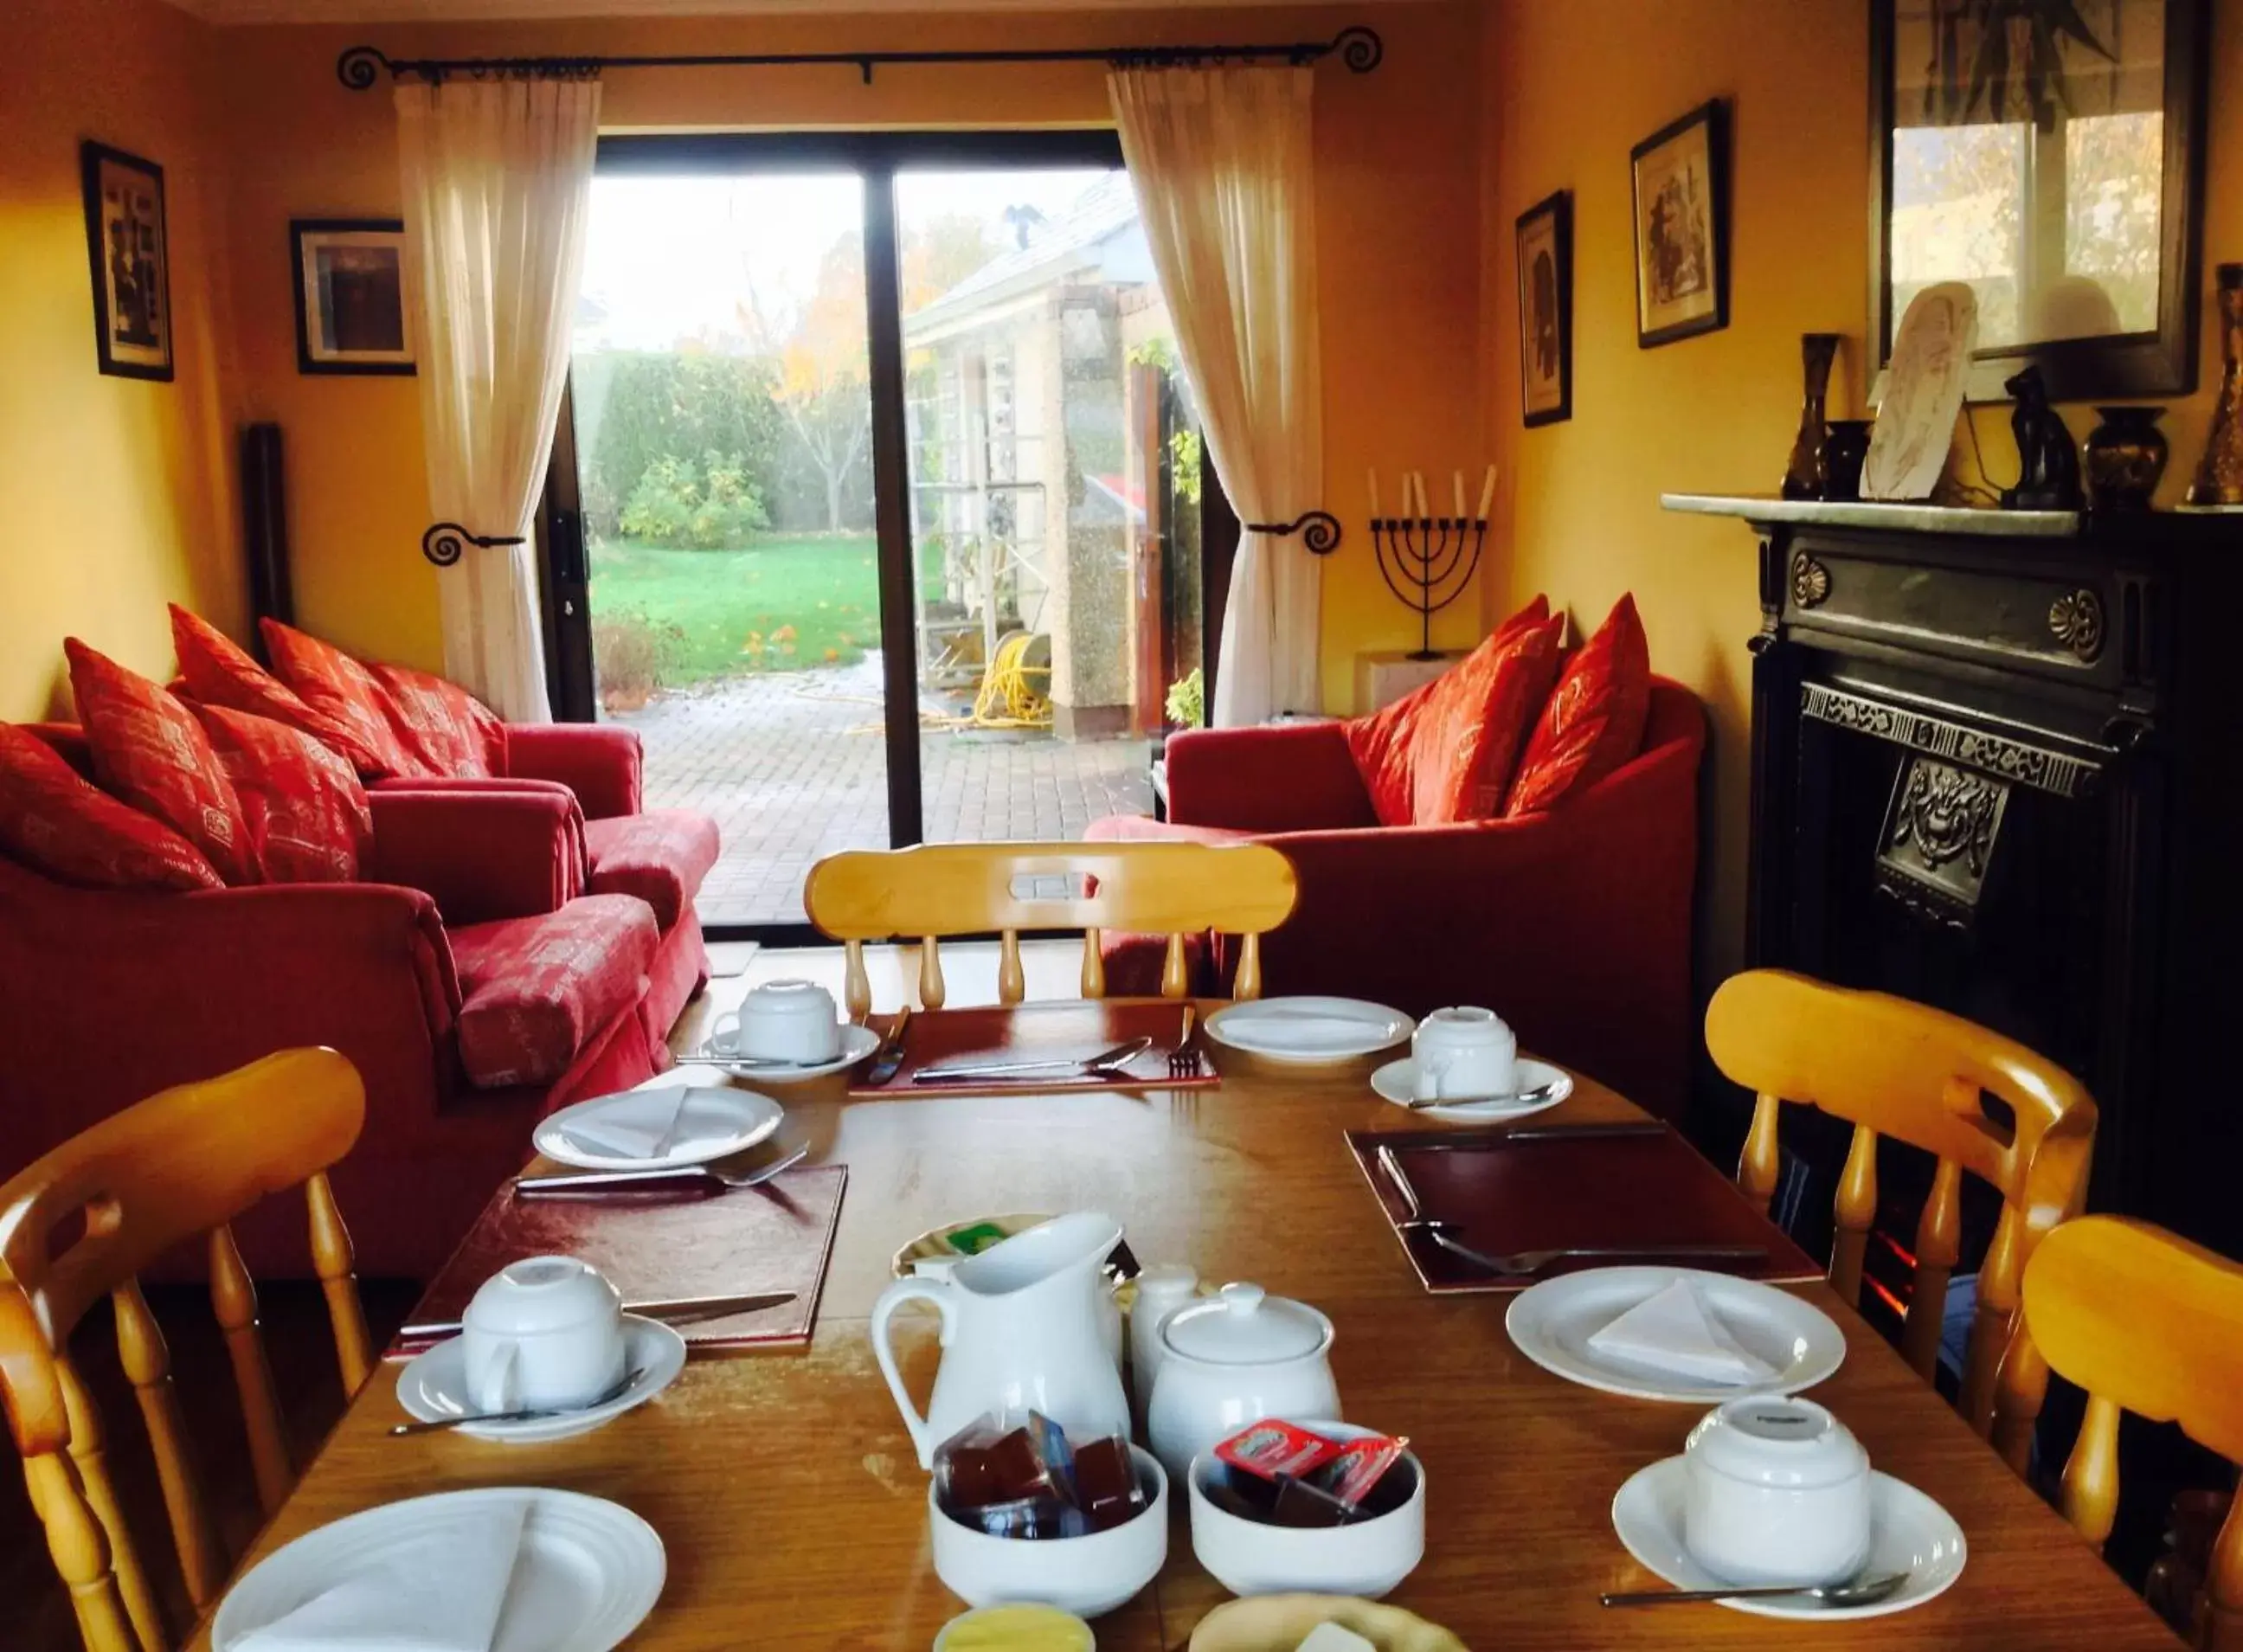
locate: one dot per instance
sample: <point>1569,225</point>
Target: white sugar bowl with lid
<point>1231,1361</point>
<point>1775,1491</point>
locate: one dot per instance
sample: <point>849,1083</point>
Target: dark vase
<point>1805,476</point>
<point>2220,474</point>
<point>1844,452</point>
<point>2126,454</point>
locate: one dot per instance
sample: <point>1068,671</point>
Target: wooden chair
<point>1921,1077</point>
<point>80,1224</point>
<point>2144,1321</point>
<point>955,889</point>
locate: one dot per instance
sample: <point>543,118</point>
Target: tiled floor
<point>792,766</point>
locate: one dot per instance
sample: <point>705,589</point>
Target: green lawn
<point>780,605</point>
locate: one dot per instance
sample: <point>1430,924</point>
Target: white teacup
<point>1464,1053</point>
<point>1775,1491</point>
<point>781,1020</point>
<point>544,1333</point>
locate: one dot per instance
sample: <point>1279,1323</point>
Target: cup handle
<point>917,1288</point>
<point>1429,1076</point>
<point>493,1385</point>
<point>724,1031</point>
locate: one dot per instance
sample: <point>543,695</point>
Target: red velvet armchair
<point>1574,924</point>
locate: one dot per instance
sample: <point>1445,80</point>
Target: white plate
<point>1551,1324</point>
<point>587,1573</point>
<point>434,1385</point>
<point>1908,1533</point>
<point>856,1042</point>
<point>714,1125</point>
<point>1258,1026</point>
<point>1397,1082</point>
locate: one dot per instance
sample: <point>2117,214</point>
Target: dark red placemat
<point>1537,1188</point>
<point>775,1237</point>
<point>1060,1031</point>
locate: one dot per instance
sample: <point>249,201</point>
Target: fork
<point>713,1177</point>
<point>1183,1060</point>
<point>1525,1263</point>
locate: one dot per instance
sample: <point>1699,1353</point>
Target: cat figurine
<point>2048,478</point>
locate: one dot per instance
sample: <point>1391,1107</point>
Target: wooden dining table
<point>795,1514</point>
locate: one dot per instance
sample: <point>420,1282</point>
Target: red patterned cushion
<point>1593,721</point>
<point>1382,743</point>
<point>219,672</point>
<point>308,818</point>
<point>341,690</point>
<point>441,726</point>
<point>149,751</point>
<point>1467,739</point>
<point>660,856</point>
<point>55,822</point>
<point>534,990</point>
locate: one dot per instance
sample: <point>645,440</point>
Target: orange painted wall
<point>1398,168</point>
<point>1571,88</point>
<point>118,492</point>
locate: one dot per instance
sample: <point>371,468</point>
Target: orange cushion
<point>149,751</point>
<point>339,688</point>
<point>1594,722</point>
<point>1467,738</point>
<point>308,818</point>
<point>57,823</point>
<point>440,725</point>
<point>220,673</point>
<point>1383,741</point>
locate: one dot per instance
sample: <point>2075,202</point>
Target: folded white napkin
<point>1303,1029</point>
<point>633,1127</point>
<point>1673,1331</point>
<point>440,1590</point>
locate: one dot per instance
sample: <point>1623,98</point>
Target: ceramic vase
<point>1805,476</point>
<point>2126,454</point>
<point>2220,474</point>
<point>1843,452</point>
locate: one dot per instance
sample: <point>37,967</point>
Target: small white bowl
<point>1775,1491</point>
<point>1366,1558</point>
<point>1088,1575</point>
<point>781,1020</point>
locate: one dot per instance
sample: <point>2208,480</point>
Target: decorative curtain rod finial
<point>1319,531</point>
<point>446,541</point>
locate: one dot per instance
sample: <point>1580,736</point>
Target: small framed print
<point>1545,310</point>
<point>127,241</point>
<point>351,314</point>
<point>1682,228</point>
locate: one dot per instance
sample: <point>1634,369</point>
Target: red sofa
<point>517,944</point>
<point>1574,924</point>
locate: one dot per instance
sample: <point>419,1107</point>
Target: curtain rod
<point>1357,47</point>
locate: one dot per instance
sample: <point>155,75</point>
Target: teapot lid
<point>1244,1327</point>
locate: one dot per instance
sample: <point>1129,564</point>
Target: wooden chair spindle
<point>1938,1245</point>
<point>1012,980</point>
<point>89,1455</point>
<point>1857,1209</point>
<point>81,1553</point>
<point>1176,972</point>
<point>1093,966</point>
<point>931,991</point>
<point>234,1298</point>
<point>147,1364</point>
<point>333,1261</point>
<point>857,984</point>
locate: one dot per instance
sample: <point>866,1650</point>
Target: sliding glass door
<point>876,507</point>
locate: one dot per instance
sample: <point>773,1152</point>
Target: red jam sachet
<point>1273,1447</point>
<point>1355,1471</point>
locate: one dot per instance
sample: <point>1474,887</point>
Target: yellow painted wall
<point>116,494</point>
<point>1397,244</point>
<point>1571,88</point>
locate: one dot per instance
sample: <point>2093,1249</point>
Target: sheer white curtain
<point>1222,162</point>
<point>497,177</point>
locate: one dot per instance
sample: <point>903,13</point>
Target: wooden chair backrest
<point>80,1224</point>
<point>1893,1068</point>
<point>2146,1322</point>
<point>938,889</point>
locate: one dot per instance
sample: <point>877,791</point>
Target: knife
<point>890,1055</point>
<point>682,1311</point>
<point>1450,1142</point>
<point>1105,1061</point>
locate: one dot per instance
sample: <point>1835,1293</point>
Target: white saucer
<point>713,1124</point>
<point>433,1386</point>
<point>1908,1533</point>
<point>587,1573</point>
<point>1552,1323</point>
<point>1260,1026</point>
<point>1397,1082</point>
<point>856,1042</point>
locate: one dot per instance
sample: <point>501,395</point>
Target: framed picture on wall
<point>127,242</point>
<point>1545,310</point>
<point>351,314</point>
<point>1682,228</point>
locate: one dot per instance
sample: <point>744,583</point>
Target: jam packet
<point>1274,1448</point>
<point>1355,1470</point>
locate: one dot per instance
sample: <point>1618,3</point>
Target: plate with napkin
<point>1309,1029</point>
<point>667,1128</point>
<point>1677,1334</point>
<point>504,1569</point>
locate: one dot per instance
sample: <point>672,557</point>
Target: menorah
<point>1427,561</point>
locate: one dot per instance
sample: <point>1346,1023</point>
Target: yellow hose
<point>1006,699</point>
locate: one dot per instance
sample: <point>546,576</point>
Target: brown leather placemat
<point>775,1237</point>
<point>1058,1031</point>
<point>1532,1188</point>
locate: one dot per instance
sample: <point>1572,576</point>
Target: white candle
<point>1487,493</point>
<point>1457,481</point>
<point>1373,477</point>
<point>1417,482</point>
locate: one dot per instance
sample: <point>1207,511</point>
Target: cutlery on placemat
<point>1183,1060</point>
<point>684,1178</point>
<point>1456,1142</point>
<point>683,1311</point>
<point>1517,1098</point>
<point>1414,1219</point>
<point>1861,1591</point>
<point>890,1053</point>
<point>1525,1263</point>
<point>437,1425</point>
<point>1104,1063</point>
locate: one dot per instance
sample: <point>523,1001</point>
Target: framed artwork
<point>127,242</point>
<point>351,314</point>
<point>2051,154</point>
<point>1545,310</point>
<point>1681,174</point>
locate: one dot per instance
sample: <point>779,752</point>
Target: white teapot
<point>1233,1360</point>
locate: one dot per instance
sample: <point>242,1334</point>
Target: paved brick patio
<point>791,766</point>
